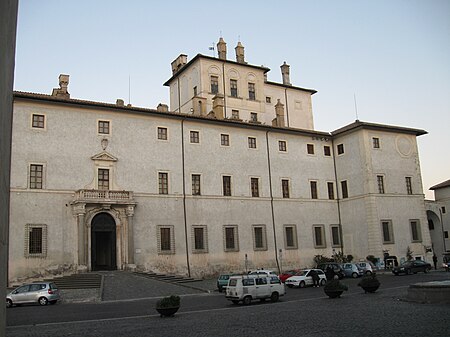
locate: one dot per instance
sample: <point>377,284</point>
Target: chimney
<point>239,53</point>
<point>120,102</point>
<point>162,108</point>
<point>222,49</point>
<point>218,106</point>
<point>178,63</point>
<point>285,73</point>
<point>279,111</point>
<point>62,92</point>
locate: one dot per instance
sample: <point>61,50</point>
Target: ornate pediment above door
<point>104,156</point>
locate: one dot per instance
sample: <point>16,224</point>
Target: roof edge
<point>374,126</point>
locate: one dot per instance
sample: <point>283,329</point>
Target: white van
<point>246,288</point>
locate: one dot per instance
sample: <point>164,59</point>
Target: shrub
<point>369,280</point>
<point>168,302</point>
<point>335,285</point>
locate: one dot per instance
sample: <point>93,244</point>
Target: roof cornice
<point>358,125</point>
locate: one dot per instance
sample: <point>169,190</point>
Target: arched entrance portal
<point>103,245</point>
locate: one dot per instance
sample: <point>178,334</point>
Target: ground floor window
<point>230,237</point>
<point>36,240</point>
<point>166,240</point>
<point>259,237</point>
<point>388,232</point>
<point>290,237</point>
<point>319,236</point>
<point>199,239</point>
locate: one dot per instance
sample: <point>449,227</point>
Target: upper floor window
<point>163,182</point>
<point>103,179</point>
<point>380,182</point>
<point>253,117</point>
<point>254,182</point>
<point>415,230</point>
<point>282,146</point>
<point>224,139</point>
<point>327,151</point>
<point>38,121</point>
<point>408,185</point>
<point>313,185</point>
<point>285,188</point>
<point>233,88</point>
<point>226,184</point>
<point>214,84</point>
<point>103,127</point>
<point>162,133</point>
<point>268,99</point>
<point>252,142</point>
<point>376,142</point>
<point>195,137</point>
<point>340,148</point>
<point>235,114</point>
<point>443,209</point>
<point>310,148</point>
<point>344,189</point>
<point>251,91</point>
<point>196,184</point>
<point>36,176</point>
<point>330,187</point>
<point>195,91</point>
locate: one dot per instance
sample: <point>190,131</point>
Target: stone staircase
<point>78,281</point>
<point>168,278</point>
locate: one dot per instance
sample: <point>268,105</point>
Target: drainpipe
<point>224,92</point>
<point>337,198</point>
<point>442,225</point>
<point>271,202</point>
<point>287,106</point>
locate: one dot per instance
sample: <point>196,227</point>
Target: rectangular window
<point>224,139</point>
<point>408,185</point>
<point>166,240</point>
<point>310,148</point>
<point>255,187</point>
<point>330,187</point>
<point>226,183</point>
<point>313,185</point>
<point>380,182</point>
<point>376,142</point>
<point>195,137</point>
<point>268,99</point>
<point>231,243</point>
<point>326,151</point>
<point>38,121</point>
<point>196,184</point>
<point>162,133</point>
<point>195,91</point>
<point>344,189</point>
<point>445,234</point>
<point>253,117</point>
<point>251,91</point>
<point>319,236</point>
<point>282,146</point>
<point>252,142</point>
<point>415,230</point>
<point>163,183</point>
<point>103,127</point>
<point>388,233</point>
<point>285,187</point>
<point>340,148</point>
<point>214,84</point>
<point>233,88</point>
<point>103,179</point>
<point>290,237</point>
<point>199,237</point>
<point>235,114</point>
<point>35,240</point>
<point>430,224</point>
<point>36,176</point>
<point>335,236</point>
<point>443,209</point>
<point>259,237</point>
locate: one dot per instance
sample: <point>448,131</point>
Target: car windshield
<point>302,273</point>
<point>407,263</point>
<point>224,277</point>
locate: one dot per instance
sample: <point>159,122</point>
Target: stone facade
<point>106,186</point>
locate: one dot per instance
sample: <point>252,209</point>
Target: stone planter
<point>167,312</point>
<point>334,293</point>
<point>370,289</point>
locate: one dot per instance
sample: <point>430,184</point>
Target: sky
<point>391,58</point>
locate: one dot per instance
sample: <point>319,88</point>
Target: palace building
<point>232,175</point>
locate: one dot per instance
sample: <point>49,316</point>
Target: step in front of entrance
<point>78,281</point>
<point>168,278</point>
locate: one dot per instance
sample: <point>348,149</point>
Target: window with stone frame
<point>285,188</point>
<point>233,88</point>
<point>253,117</point>
<point>36,240</point>
<point>199,239</point>
<point>282,146</point>
<point>268,99</point>
<point>226,186</point>
<point>162,133</point>
<point>254,184</point>
<point>376,142</point>
<point>36,176</point>
<point>196,188</point>
<point>340,149</point>
<point>163,182</point>
<point>387,231</point>
<point>224,139</point>
<point>104,127</point>
<point>166,239</point>
<point>330,187</point>
<point>313,186</point>
<point>252,142</point>
<point>319,236</point>
<point>380,184</point>
<point>195,137</point>
<point>408,185</point>
<point>344,188</point>
<point>310,148</point>
<point>259,237</point>
<point>415,231</point>
<point>251,91</point>
<point>214,84</point>
<point>327,151</point>
<point>335,236</point>
<point>103,179</point>
<point>38,121</point>
<point>230,238</point>
<point>290,237</point>
<point>235,114</point>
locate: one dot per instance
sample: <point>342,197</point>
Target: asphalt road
<point>302,312</point>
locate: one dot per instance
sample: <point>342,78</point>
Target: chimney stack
<point>285,73</point>
<point>178,63</point>
<point>239,53</point>
<point>222,49</point>
<point>62,92</point>
<point>279,111</point>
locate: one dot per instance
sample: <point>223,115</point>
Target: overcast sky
<point>393,56</point>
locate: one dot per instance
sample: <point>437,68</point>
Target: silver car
<point>39,292</point>
<point>352,270</point>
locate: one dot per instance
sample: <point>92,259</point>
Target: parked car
<point>222,281</point>
<point>247,288</point>
<point>352,270</point>
<point>39,292</point>
<point>335,266</point>
<point>367,266</point>
<point>412,266</point>
<point>263,272</point>
<point>303,279</point>
<point>288,273</point>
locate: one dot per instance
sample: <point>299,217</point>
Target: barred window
<point>199,239</point>
<point>38,121</point>
<point>376,142</point>
<point>166,240</point>
<point>408,185</point>
<point>254,182</point>
<point>231,242</point>
<point>195,137</point>
<point>285,187</point>
<point>103,127</point>
<point>196,184</point>
<point>226,184</point>
<point>259,237</point>
<point>290,237</point>
<point>380,182</point>
<point>224,139</point>
<point>35,240</point>
<point>103,179</point>
<point>252,142</point>
<point>36,176</point>
<point>163,183</point>
<point>162,133</point>
<point>282,146</point>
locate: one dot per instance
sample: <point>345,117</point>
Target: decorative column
<point>80,211</point>
<point>130,214</point>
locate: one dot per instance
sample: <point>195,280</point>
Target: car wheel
<point>302,284</point>
<point>274,297</point>
<point>355,275</point>
<point>247,300</point>
<point>322,282</point>
<point>235,301</point>
<point>43,301</point>
<point>9,303</point>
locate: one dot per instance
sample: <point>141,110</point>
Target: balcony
<point>103,197</point>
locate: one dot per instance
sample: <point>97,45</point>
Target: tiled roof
<point>441,185</point>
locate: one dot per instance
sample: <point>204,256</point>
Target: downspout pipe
<point>224,92</point>
<point>287,106</point>
<point>271,202</point>
<point>337,198</point>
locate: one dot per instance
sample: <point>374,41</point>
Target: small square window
<point>326,151</point>
<point>310,148</point>
<point>282,146</point>
<point>38,121</point>
<point>253,117</point>
<point>340,148</point>
<point>162,133</point>
<point>376,142</point>
<point>224,139</point>
<point>103,127</point>
<point>268,99</point>
<point>252,142</point>
<point>195,137</point>
<point>234,114</point>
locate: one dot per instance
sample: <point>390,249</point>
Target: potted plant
<point>168,306</point>
<point>369,283</point>
<point>334,288</point>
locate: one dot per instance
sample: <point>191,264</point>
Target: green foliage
<point>318,259</point>
<point>409,253</point>
<point>335,285</point>
<point>369,280</point>
<point>168,302</point>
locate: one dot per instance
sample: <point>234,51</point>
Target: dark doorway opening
<point>103,244</point>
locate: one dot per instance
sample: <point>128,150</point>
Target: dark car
<point>410,267</point>
<point>333,265</point>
